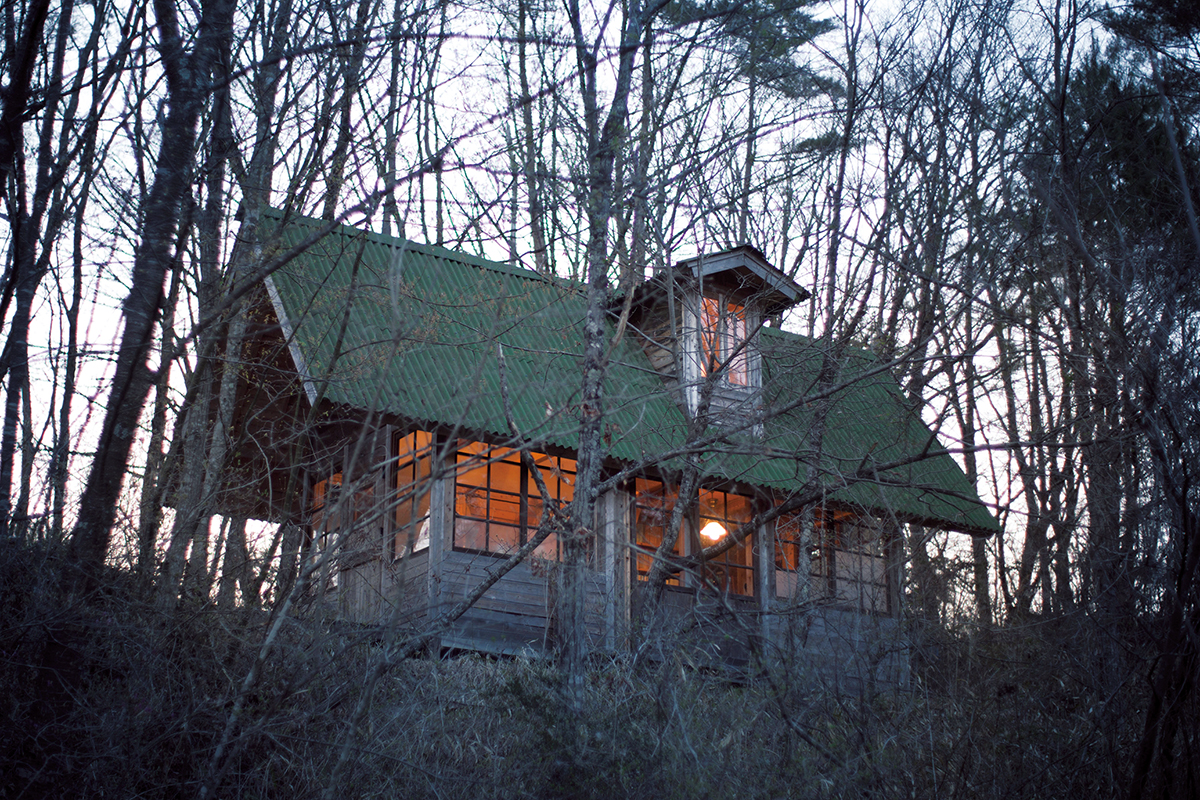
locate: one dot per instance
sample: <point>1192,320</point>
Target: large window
<point>652,506</point>
<point>414,462</point>
<point>497,505</point>
<point>858,552</point>
<point>719,514</point>
<point>843,556</point>
<point>797,559</point>
<point>324,496</point>
<point>723,334</point>
<point>330,512</point>
<point>332,516</point>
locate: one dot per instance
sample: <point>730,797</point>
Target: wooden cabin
<point>384,380</point>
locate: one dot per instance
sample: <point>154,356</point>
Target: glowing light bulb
<point>713,531</point>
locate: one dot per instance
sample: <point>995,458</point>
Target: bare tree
<point>188,73</point>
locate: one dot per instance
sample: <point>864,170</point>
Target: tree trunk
<point>186,84</point>
<point>601,157</point>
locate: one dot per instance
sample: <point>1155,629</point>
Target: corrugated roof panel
<point>416,331</point>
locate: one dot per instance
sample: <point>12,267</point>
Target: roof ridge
<point>433,250</point>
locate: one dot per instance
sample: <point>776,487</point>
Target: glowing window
<point>332,516</point>
<point>720,514</point>
<point>497,505</point>
<point>329,508</point>
<point>723,340</point>
<point>414,464</point>
<point>652,507</point>
<point>323,498</point>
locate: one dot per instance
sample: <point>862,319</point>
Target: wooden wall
<point>519,614</point>
<point>843,648</point>
<point>381,591</point>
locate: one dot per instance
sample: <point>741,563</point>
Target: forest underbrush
<point>118,698</point>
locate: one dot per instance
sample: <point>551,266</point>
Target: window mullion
<point>488,498</point>
<point>524,537</point>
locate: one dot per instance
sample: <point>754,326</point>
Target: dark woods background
<point>999,196</point>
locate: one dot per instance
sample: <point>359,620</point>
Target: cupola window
<point>723,334</point>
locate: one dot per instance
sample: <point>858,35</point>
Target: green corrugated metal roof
<point>414,330</point>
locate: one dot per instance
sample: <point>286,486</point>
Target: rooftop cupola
<point>744,273</point>
<point>700,320</point>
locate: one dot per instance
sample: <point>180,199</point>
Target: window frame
<point>472,457</point>
<point>854,588</point>
<point>714,573</point>
<point>723,568</point>
<point>824,534</point>
<point>723,334</point>
<point>418,469</point>
<point>324,525</point>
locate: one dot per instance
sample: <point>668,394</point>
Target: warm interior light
<point>713,531</point>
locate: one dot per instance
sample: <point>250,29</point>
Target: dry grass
<point>119,699</point>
